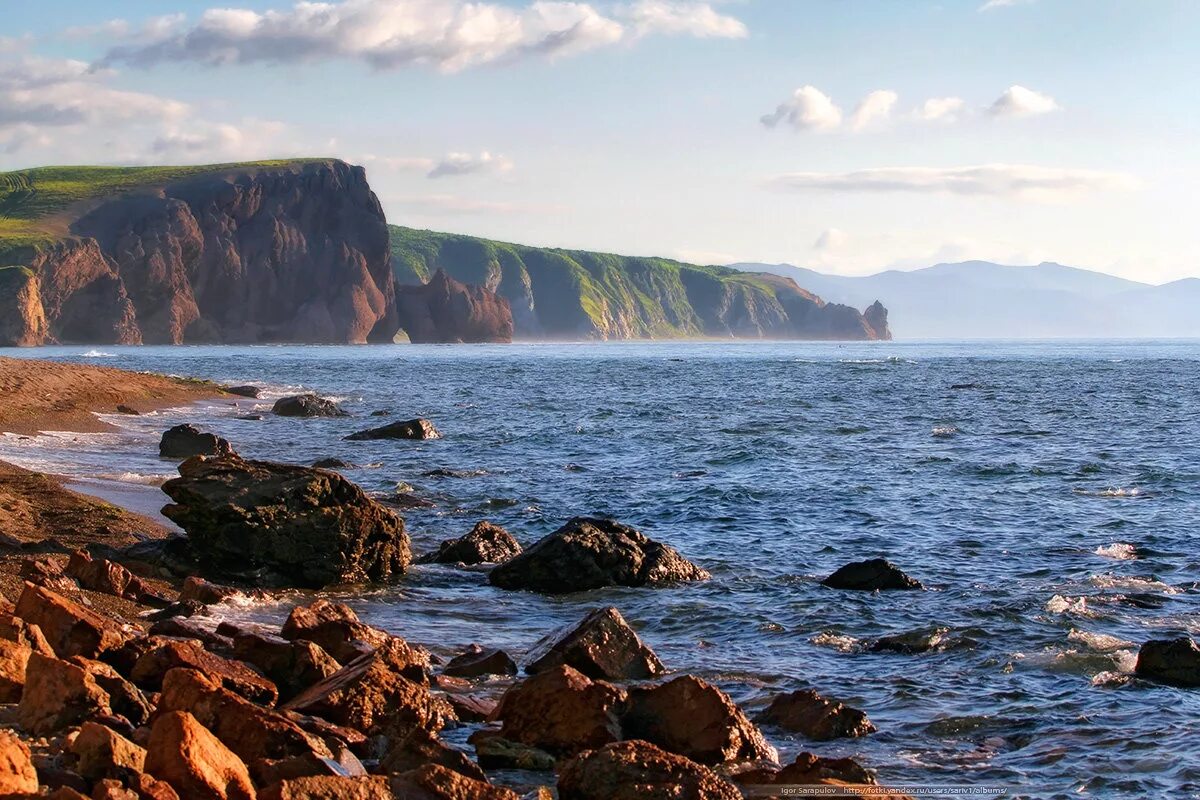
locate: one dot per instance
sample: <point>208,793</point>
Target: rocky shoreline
<point>117,681</point>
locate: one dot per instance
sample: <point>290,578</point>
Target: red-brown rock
<point>477,661</point>
<point>448,311</point>
<point>561,711</point>
<point>637,770</point>
<point>124,698</point>
<point>695,719</point>
<point>71,629</point>
<point>422,747</point>
<point>13,658</point>
<point>104,753</point>
<point>816,717</point>
<point>602,646</point>
<point>58,694</point>
<point>186,755</point>
<point>292,665</point>
<point>374,787</point>
<point>17,775</point>
<point>101,575</point>
<point>206,592</point>
<point>335,627</point>
<point>435,782</point>
<point>15,629</point>
<point>153,665</point>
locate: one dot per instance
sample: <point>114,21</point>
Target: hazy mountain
<point>985,300</point>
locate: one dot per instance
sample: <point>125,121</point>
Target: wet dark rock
<point>809,769</point>
<point>493,751</point>
<point>307,405</point>
<point>422,747</point>
<point>183,608</point>
<point>816,717</point>
<point>280,524</point>
<point>332,463</point>
<point>478,661</point>
<point>250,417</point>
<point>640,771</point>
<point>872,575</point>
<point>133,412</point>
<point>335,627</point>
<point>408,429</point>
<point>1172,661</point>
<point>485,544</point>
<point>185,441</point>
<point>247,390</point>
<point>601,646</point>
<point>381,412</point>
<point>206,592</point>
<point>912,642</point>
<point>590,553</point>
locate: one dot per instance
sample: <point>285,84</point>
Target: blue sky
<point>846,136</point>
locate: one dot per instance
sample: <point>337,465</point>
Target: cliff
<point>293,251</point>
<point>22,318</point>
<point>575,294</point>
<point>449,311</point>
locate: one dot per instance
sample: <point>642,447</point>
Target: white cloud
<point>992,5</point>
<point>449,35</point>
<point>941,109</point>
<point>673,18</point>
<point>876,106</point>
<point>808,109</point>
<point>831,239</point>
<point>1012,181</point>
<point>1017,101</point>
<point>200,141</point>
<point>454,164</point>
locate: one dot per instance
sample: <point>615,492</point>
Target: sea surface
<point>1050,503</point>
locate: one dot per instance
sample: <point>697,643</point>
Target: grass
<point>30,199</point>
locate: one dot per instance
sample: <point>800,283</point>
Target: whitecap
<point>1117,550</point>
<point>1068,605</point>
<point>1100,642</point>
<point>944,430</point>
<point>1117,492</point>
<point>837,641</point>
<point>97,354</point>
<point>135,477</point>
<point>1131,583</point>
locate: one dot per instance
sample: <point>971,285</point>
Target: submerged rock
<point>283,524</point>
<point>246,390</point>
<point>1171,661</point>
<point>871,575</point>
<point>307,405</point>
<point>816,717</point>
<point>332,463</point>
<point>185,441</point>
<point>409,429</point>
<point>640,771</point>
<point>601,646</point>
<point>590,553</point>
<point>911,642</point>
<point>485,544</point>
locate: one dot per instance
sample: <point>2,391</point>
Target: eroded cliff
<point>448,311</point>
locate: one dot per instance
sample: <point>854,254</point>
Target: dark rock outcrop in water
<point>1172,661</point>
<point>409,429</point>
<point>284,524</point>
<point>307,405</point>
<point>448,311</point>
<point>185,441</point>
<point>602,646</point>
<point>272,252</point>
<point>590,553</point>
<point>486,543</point>
<point>871,575</point>
<point>816,717</point>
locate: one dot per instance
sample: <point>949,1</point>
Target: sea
<point>1047,493</point>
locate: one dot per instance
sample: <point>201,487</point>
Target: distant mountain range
<point>979,299</point>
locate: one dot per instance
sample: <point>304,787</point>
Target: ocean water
<point>1051,505</point>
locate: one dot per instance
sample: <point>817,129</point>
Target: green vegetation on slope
<point>577,292</point>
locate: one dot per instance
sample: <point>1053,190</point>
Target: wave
<point>1059,604</point>
<point>1131,583</point>
<point>1117,550</point>
<point>889,360</point>
<point>140,478</point>
<point>1130,492</point>
<point>1100,642</point>
<point>837,641</point>
<point>944,430</point>
<point>97,354</point>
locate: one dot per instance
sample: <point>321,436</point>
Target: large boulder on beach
<point>307,405</point>
<point>601,646</point>
<point>408,429</point>
<point>1172,661</point>
<point>638,770</point>
<point>486,543</point>
<point>58,694</point>
<point>292,666</point>
<point>152,666</point>
<point>104,753</point>
<point>284,525</point>
<point>186,755</point>
<point>693,718</point>
<point>561,711</point>
<point>17,774</point>
<point>335,628</point>
<point>185,441</point>
<point>14,658</point>
<point>876,574</point>
<point>71,629</point>
<point>591,553</point>
<point>816,717</point>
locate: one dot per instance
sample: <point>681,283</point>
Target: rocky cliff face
<point>572,294</point>
<point>287,252</point>
<point>448,311</point>
<point>22,319</point>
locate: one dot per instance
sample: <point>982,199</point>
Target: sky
<point>848,136</point>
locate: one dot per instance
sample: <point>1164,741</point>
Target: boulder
<point>152,666</point>
<point>875,574</point>
<point>332,463</point>
<point>375,690</point>
<point>601,646</point>
<point>435,782</point>
<point>493,751</point>
<point>292,666</point>
<point>592,553</point>
<point>15,629</point>
<point>124,698</point>
<point>307,405</point>
<point>638,770</point>
<point>58,694</point>
<point>1171,661</point>
<point>561,711</point>
<point>693,718</point>
<point>184,628</point>
<point>809,769</point>
<point>249,730</point>
<point>485,544</point>
<point>104,753</point>
<point>285,524</point>
<point>48,574</point>
<point>17,775</point>
<point>13,660</point>
<point>422,747</point>
<point>186,755</point>
<point>199,590</point>
<point>373,787</point>
<point>912,642</point>
<point>335,627</point>
<point>816,717</point>
<point>185,441</point>
<point>471,707</point>
<point>408,429</point>
<point>477,661</point>
<point>245,390</point>
<point>70,628</point>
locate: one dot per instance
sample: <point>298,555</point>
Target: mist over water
<point>1049,503</point>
